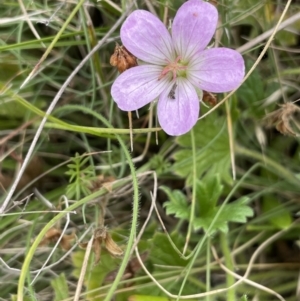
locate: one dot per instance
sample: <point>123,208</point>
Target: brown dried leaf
<point>101,235</point>
<point>83,245</point>
<point>108,186</point>
<point>97,250</point>
<point>112,247</point>
<point>102,181</point>
<point>285,119</point>
<point>53,235</point>
<point>65,242</point>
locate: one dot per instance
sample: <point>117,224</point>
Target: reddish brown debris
<point>209,98</point>
<point>122,59</point>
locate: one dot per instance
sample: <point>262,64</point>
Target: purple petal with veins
<point>137,87</point>
<point>217,70</point>
<point>193,27</point>
<point>146,37</point>
<point>177,116</point>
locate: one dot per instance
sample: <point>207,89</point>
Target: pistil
<point>172,67</point>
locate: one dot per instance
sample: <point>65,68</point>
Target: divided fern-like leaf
<point>81,175</point>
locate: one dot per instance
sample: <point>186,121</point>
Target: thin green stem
<point>208,267</point>
<point>111,109</point>
<point>89,47</point>
<point>59,124</point>
<point>28,244</point>
<point>229,264</point>
<point>193,202</point>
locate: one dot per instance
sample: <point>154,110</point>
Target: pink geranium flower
<point>175,65</point>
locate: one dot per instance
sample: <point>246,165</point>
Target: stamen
<point>172,67</point>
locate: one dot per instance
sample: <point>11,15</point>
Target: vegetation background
<point>215,213</point>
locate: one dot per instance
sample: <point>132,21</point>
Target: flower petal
<point>178,112</point>
<point>138,86</point>
<point>217,70</point>
<point>193,27</point>
<point>146,37</point>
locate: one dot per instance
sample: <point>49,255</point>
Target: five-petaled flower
<point>175,66</point>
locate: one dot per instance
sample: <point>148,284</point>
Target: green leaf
<point>244,298</point>
<point>163,257</point>
<point>60,286</point>
<point>252,92</point>
<point>80,177</point>
<point>279,216</point>
<point>159,164</point>
<point>177,203</point>
<point>163,252</point>
<point>212,150</point>
<point>253,87</point>
<point>84,160</point>
<point>208,193</point>
<point>237,211</point>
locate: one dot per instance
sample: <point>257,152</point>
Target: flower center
<point>177,68</point>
